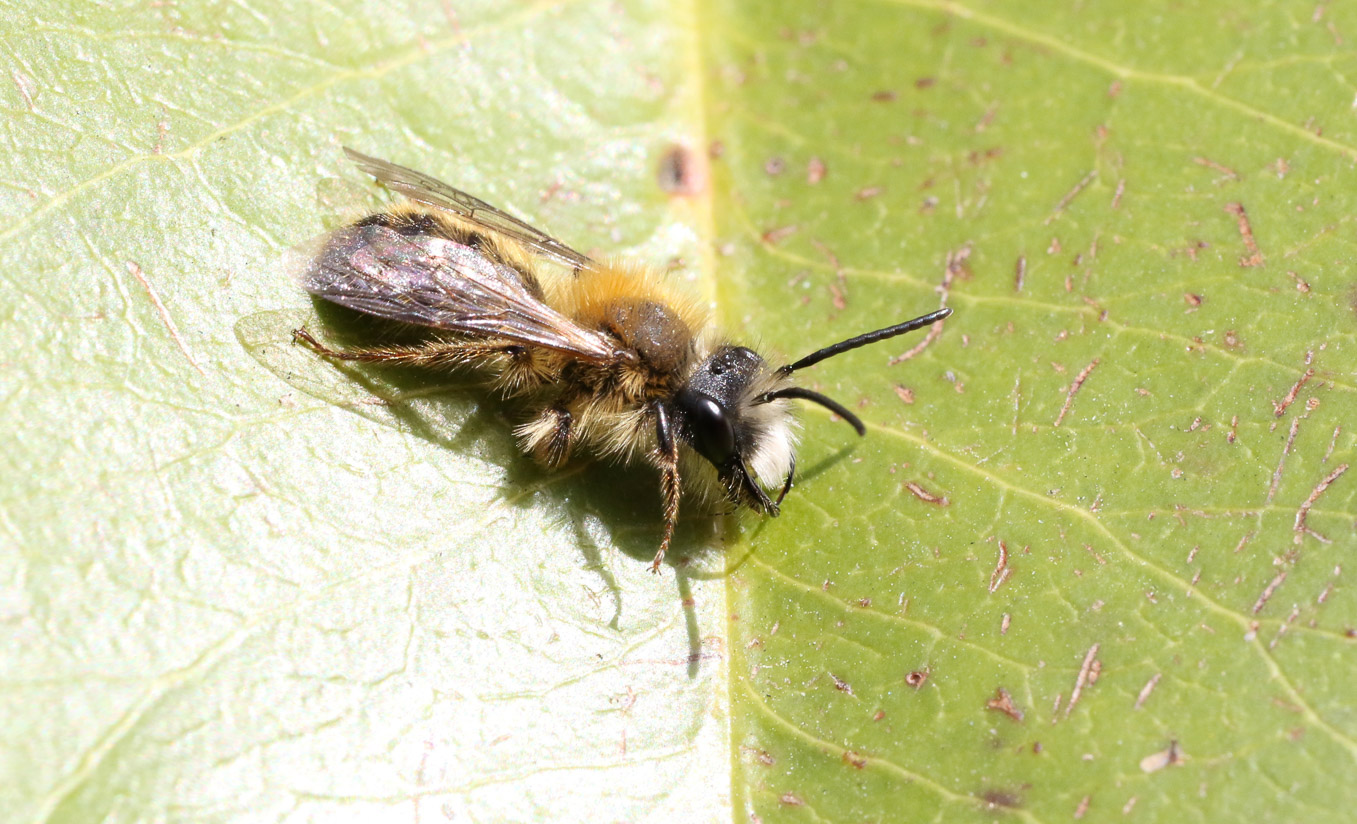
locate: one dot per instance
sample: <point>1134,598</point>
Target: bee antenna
<point>804,394</point>
<point>861,340</point>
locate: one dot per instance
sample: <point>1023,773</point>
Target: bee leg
<point>428,354</point>
<point>549,436</point>
<point>431,353</point>
<point>667,457</point>
<point>558,446</point>
<point>555,448</point>
<point>787,487</point>
<point>522,370</point>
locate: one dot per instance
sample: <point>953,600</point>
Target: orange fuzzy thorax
<point>585,299</point>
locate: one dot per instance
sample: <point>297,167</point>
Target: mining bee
<point>606,356</point>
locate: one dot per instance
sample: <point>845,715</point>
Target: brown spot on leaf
<point>682,172</point>
<point>1003,702</point>
<point>1169,757</point>
<point>1080,810</point>
<point>926,496</point>
<point>1254,257</point>
<point>815,171</point>
<point>1008,799</point>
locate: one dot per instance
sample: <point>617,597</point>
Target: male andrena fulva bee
<point>606,358</point>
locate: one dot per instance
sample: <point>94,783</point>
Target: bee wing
<point>431,281</point>
<point>419,186</point>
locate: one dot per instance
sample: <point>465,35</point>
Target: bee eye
<point>713,437</point>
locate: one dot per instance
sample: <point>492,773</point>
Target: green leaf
<point>242,584</point>
<point>1115,489</point>
<point>239,583</point>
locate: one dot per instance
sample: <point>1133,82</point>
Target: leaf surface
<point>242,584</point>
<point>1090,561</point>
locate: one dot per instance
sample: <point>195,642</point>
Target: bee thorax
<point>654,331</point>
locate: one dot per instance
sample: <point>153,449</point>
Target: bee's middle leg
<point>550,435</point>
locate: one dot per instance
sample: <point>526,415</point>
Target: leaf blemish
<point>1007,799</point>
<point>1226,171</point>
<point>1171,756</point>
<point>1074,387</point>
<point>1070,196</point>
<point>682,172</point>
<point>1001,569</point>
<point>1279,408</point>
<point>926,496</point>
<point>1147,689</point>
<point>1255,257</point>
<point>854,759</point>
<point>1281,462</point>
<point>1268,591</point>
<point>1083,807</point>
<point>1087,675</point>
<point>815,170</point>
<point>1003,702</point>
<point>134,269</point>
<point>1300,528</point>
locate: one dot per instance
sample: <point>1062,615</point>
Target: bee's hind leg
<point>432,353</point>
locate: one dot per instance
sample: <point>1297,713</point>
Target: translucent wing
<point>431,281</point>
<point>419,186</point>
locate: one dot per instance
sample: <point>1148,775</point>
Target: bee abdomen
<point>414,222</point>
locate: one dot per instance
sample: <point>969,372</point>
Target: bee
<point>607,357</point>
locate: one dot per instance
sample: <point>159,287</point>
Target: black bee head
<point>721,417</point>
<point>734,413</point>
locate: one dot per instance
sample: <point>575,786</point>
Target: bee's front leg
<point>667,458</point>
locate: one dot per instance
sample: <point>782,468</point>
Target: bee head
<point>734,413</point>
<point>724,417</point>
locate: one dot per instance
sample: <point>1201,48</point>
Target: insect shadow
<point>603,504</point>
